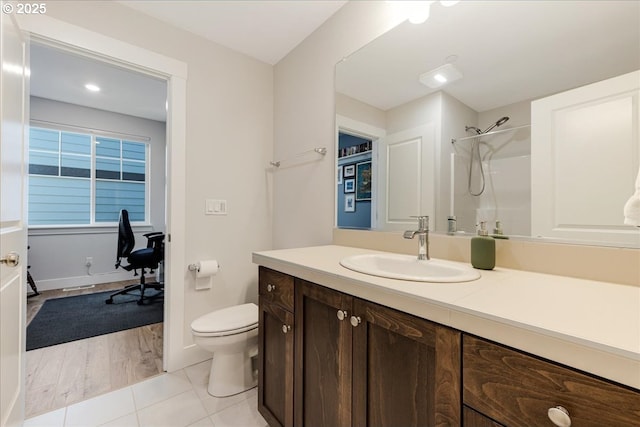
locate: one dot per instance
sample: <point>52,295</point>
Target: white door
<point>406,178</point>
<point>578,138</point>
<point>13,230</point>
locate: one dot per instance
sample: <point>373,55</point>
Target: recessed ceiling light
<point>415,11</point>
<point>418,11</point>
<point>440,76</point>
<point>92,88</point>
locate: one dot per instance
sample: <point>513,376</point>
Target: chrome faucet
<point>423,237</point>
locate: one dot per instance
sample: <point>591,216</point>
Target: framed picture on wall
<point>349,170</point>
<point>339,179</point>
<point>363,181</point>
<point>349,185</point>
<point>349,203</point>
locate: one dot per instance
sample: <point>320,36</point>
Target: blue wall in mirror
<point>352,213</point>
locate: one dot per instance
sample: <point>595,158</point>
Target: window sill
<point>85,229</point>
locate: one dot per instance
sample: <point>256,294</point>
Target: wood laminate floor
<point>63,374</point>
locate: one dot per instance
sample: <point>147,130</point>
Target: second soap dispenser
<point>483,249</point>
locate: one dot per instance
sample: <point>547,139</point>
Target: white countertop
<point>588,325</point>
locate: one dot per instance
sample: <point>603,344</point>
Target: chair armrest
<point>153,233</point>
<point>154,238</point>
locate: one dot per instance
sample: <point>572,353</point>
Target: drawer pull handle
<point>271,288</point>
<point>559,416</point>
<point>285,328</point>
<point>342,314</point>
<point>355,321</point>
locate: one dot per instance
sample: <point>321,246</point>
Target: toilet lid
<point>232,318</point>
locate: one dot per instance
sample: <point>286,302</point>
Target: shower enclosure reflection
<point>491,180</point>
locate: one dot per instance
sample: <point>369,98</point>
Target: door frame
<point>175,72</point>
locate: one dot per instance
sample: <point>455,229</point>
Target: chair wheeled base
<point>142,287</point>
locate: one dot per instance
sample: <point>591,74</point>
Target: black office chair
<point>142,259</point>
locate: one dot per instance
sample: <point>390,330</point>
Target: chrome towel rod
<point>320,150</point>
<point>454,140</point>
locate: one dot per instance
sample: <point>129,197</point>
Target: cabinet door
<point>323,357</point>
<point>406,370</point>
<point>275,364</point>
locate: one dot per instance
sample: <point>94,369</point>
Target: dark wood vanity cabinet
<point>330,359</point>
<point>275,347</point>
<point>363,364</point>
<point>513,389</point>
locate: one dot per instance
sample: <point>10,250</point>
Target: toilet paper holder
<point>196,267</point>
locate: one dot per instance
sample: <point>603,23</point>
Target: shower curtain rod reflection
<point>320,150</point>
<point>454,140</point>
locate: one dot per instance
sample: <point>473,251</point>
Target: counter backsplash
<point>615,265</point>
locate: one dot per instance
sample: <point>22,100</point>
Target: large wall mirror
<point>523,115</point>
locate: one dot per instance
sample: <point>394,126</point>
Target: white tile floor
<point>179,399</point>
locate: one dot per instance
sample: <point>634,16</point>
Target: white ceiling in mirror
<point>507,52</point>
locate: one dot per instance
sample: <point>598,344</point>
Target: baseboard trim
<point>191,355</point>
<point>69,282</point>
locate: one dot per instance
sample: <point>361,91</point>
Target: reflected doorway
<point>355,182</point>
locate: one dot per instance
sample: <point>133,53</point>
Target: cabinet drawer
<point>516,389</point>
<point>276,287</point>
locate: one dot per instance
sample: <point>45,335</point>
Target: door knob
<point>285,328</point>
<point>355,321</point>
<point>271,288</point>
<point>11,259</point>
<point>342,314</point>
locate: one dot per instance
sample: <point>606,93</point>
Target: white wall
<point>305,118</point>
<point>57,256</point>
<point>455,116</point>
<point>360,112</point>
<point>229,127</point>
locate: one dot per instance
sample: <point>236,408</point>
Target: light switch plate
<point>215,207</point>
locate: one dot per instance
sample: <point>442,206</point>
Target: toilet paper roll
<point>207,268</point>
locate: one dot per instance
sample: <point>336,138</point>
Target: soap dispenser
<point>483,249</point>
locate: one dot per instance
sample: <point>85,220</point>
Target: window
<point>84,179</point>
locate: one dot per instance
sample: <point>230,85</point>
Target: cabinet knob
<point>355,321</point>
<point>270,287</point>
<point>285,328</point>
<point>559,416</point>
<point>342,314</point>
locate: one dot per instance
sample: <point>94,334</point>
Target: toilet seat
<point>227,321</point>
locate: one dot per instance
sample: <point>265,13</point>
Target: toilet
<point>231,334</point>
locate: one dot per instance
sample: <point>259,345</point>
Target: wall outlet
<point>89,261</point>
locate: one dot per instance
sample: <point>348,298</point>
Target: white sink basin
<point>407,267</point>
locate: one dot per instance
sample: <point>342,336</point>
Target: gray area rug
<point>78,317</point>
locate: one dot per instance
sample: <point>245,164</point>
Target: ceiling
<point>61,75</point>
<point>264,30</point>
